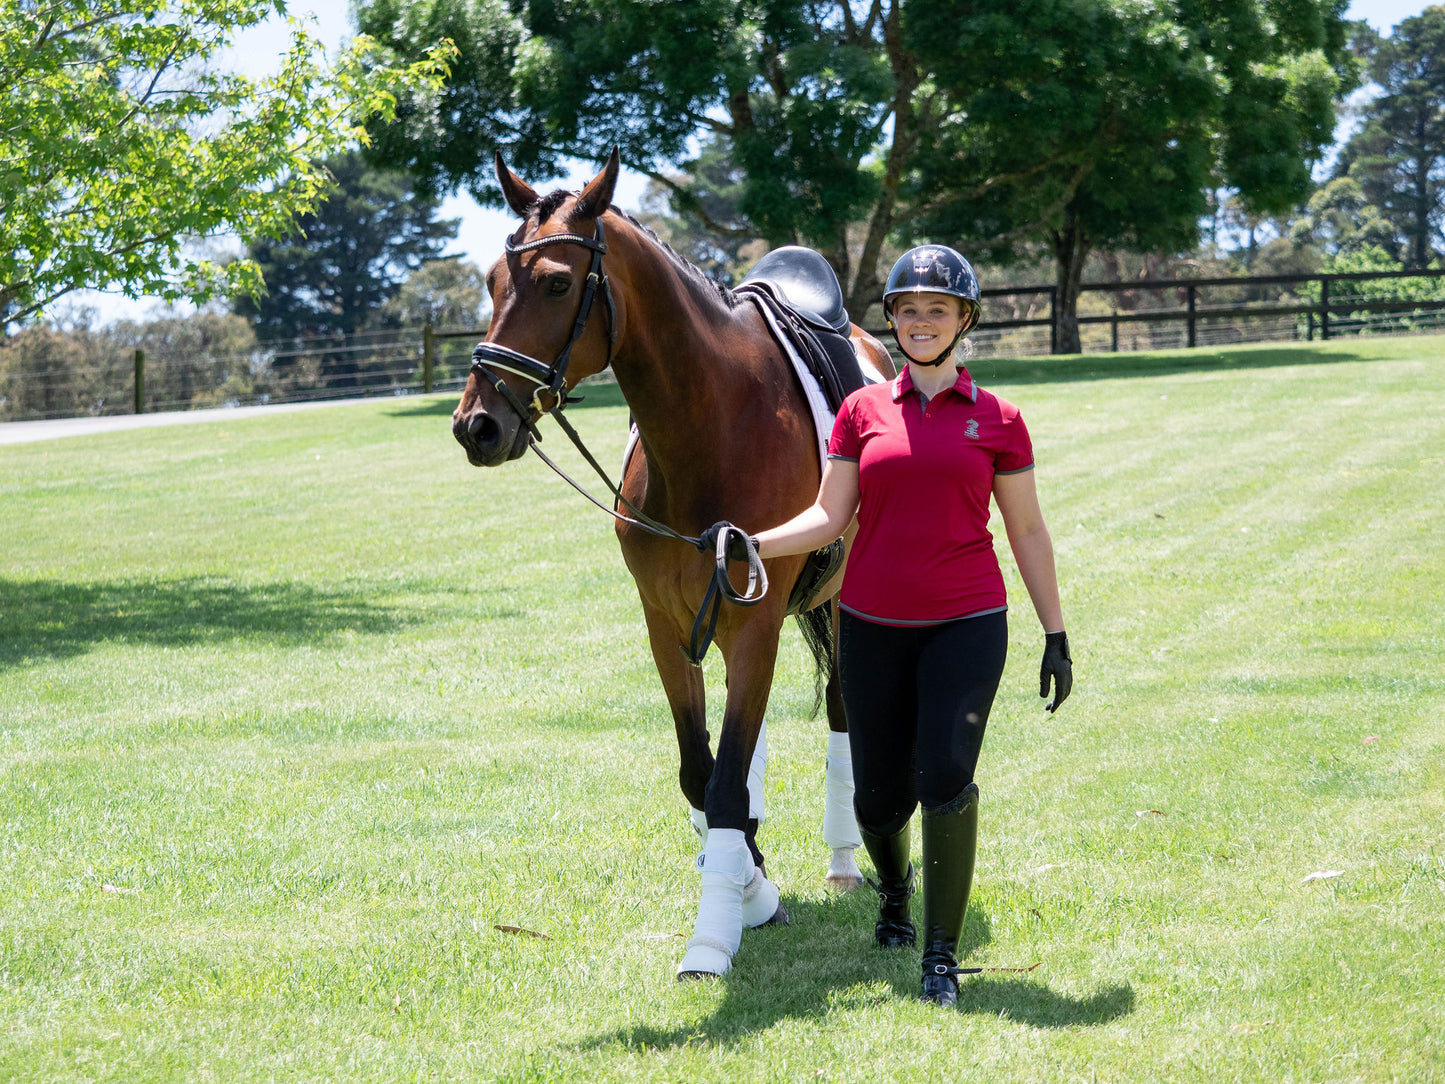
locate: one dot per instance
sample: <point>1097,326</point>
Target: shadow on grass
<point>1062,369</point>
<point>825,961</point>
<point>49,619</point>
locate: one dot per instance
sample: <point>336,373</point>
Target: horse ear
<point>520,196</point>
<point>597,196</point>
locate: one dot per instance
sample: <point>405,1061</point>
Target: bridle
<point>552,379</point>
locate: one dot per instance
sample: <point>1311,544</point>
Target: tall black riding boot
<point>950,841</point>
<point>894,886</point>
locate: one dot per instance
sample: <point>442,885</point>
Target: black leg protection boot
<point>894,886</point>
<point>950,841</point>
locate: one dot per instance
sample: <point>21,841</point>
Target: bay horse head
<point>553,318</point>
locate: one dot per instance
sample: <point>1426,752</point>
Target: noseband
<point>549,378</point>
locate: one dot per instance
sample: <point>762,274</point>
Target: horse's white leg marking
<point>726,866</point>
<point>840,824</point>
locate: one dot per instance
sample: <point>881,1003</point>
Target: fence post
<point>1114,332</point>
<point>428,357</point>
<point>1190,293</point>
<point>140,381</point>
<point>1310,326</point>
<point>1053,319</point>
<point>1325,307</point>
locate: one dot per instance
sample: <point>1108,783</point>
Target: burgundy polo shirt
<point>924,553</point>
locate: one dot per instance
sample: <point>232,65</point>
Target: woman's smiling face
<point>927,323</point>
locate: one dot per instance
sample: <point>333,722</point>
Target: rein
<point>553,379</point>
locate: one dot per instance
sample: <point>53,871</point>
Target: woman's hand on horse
<point>1058,664</point>
<point>738,540</point>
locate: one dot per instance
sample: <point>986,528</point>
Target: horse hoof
<point>780,916</point>
<point>846,882</point>
<point>696,976</point>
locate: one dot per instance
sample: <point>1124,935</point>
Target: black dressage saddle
<point>803,280</point>
<point>801,291</point>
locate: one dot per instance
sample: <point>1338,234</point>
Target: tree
<point>347,257</point>
<point>1108,124</point>
<point>1398,155</point>
<point>716,186</point>
<point>797,95</point>
<point>120,141</point>
<point>848,123</point>
<point>1341,220</point>
<point>202,359</point>
<point>449,292</point>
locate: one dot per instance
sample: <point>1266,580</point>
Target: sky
<point>482,229</point>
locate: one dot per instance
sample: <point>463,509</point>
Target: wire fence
<point>50,374</point>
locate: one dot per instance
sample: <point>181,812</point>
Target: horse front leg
<point>736,892</point>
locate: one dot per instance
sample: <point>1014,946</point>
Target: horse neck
<point>685,365</point>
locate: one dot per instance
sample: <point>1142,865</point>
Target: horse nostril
<point>484,430</point>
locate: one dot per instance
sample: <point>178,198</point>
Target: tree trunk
<point>1070,250</point>
<point>866,285</point>
<point>1420,243</point>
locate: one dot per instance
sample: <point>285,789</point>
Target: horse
<point>723,432</point>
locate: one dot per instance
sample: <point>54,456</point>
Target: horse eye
<point>557,285</point>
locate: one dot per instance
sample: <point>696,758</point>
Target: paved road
<point>25,432</point>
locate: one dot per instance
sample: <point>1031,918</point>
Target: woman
<point>923,630</point>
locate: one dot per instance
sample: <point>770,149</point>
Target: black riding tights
<point>917,700</point>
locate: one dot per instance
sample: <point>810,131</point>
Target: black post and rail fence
<point>1335,305</point>
<point>1018,321</point>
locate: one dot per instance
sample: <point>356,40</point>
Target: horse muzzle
<point>490,439</point>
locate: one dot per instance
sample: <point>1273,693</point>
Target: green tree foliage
<point>204,359</point>
<point>1083,122</point>
<point>201,359</point>
<point>716,238</point>
<point>446,293</point>
<point>347,257</point>
<point>797,95</point>
<point>1340,219</point>
<point>1108,123</point>
<point>1398,155</point>
<point>121,141</point>
<point>49,373</point>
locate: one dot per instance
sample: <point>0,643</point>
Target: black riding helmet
<point>934,269</point>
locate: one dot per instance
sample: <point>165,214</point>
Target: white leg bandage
<point>760,900</point>
<point>755,776</point>
<point>840,824</point>
<point>726,867</point>
<point>699,822</point>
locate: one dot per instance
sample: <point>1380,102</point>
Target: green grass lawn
<point>296,710</point>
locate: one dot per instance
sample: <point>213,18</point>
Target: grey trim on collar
<point>919,624</point>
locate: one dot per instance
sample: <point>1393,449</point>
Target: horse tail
<point>816,626</point>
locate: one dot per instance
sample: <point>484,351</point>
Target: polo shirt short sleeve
<point>923,553</point>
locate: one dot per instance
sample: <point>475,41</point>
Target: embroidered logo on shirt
<point>972,431</point>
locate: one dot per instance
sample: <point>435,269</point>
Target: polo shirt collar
<point>964,385</point>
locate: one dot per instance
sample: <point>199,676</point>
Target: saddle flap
<point>801,279</point>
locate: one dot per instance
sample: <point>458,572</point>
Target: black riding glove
<point>738,541</point>
<point>1057,664</point>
